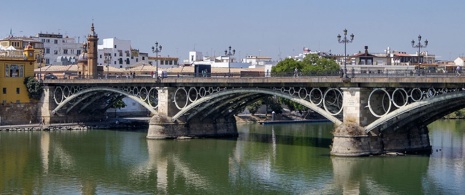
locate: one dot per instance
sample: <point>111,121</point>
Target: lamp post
<point>41,57</point>
<point>229,53</point>
<point>419,46</point>
<point>156,49</point>
<point>108,59</point>
<point>345,41</point>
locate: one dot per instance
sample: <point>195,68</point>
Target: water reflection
<point>275,159</point>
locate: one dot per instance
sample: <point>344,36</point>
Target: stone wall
<point>161,127</point>
<point>17,114</point>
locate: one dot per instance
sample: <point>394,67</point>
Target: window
<point>17,90</point>
<point>4,90</point>
<point>43,40</point>
<point>137,59</point>
<point>78,52</point>
<point>14,70</point>
<point>127,61</point>
<point>120,52</point>
<point>143,58</point>
<point>55,52</point>
<point>115,46</point>
<point>65,51</point>
<point>120,60</point>
<point>48,40</point>
<point>55,41</point>
<point>47,50</point>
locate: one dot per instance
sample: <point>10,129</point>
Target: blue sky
<point>252,27</point>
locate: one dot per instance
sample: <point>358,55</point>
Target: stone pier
<point>350,138</point>
<point>161,125</point>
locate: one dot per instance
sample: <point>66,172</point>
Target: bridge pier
<point>350,138</point>
<point>161,125</point>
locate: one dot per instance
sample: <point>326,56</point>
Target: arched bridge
<point>376,106</point>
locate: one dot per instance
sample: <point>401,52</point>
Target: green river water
<point>264,159</point>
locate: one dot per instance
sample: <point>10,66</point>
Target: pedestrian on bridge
<point>458,70</point>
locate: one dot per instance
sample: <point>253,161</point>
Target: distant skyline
<point>277,29</point>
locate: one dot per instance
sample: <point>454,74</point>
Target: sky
<point>273,28</point>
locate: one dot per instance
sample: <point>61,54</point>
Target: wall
<point>17,114</point>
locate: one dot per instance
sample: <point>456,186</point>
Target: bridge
<point>372,115</point>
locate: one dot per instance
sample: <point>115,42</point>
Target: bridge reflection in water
<point>378,114</point>
<point>264,159</point>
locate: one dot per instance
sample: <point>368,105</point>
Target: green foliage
<point>311,64</point>
<point>271,102</point>
<point>118,103</point>
<point>286,66</point>
<point>253,108</point>
<point>293,106</point>
<point>34,88</point>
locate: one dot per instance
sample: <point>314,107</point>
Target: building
<point>119,53</point>
<point>460,61</point>
<point>15,66</point>
<point>87,61</point>
<point>59,50</point>
<point>258,61</point>
<point>196,57</point>
<point>20,43</point>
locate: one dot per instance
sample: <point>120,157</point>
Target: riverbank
<point>120,123</point>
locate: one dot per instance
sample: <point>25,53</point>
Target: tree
<point>311,64</point>
<point>287,66</point>
<point>34,88</point>
<point>314,64</point>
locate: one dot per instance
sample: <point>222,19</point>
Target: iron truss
<point>70,96</point>
<point>382,101</point>
<point>205,100</point>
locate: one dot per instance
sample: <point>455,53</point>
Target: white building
<point>460,61</point>
<point>59,50</point>
<point>258,61</point>
<point>196,57</point>
<point>119,53</point>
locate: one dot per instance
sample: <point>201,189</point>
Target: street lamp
<point>40,58</point>
<point>108,59</point>
<point>419,46</point>
<point>345,41</point>
<point>229,53</point>
<point>156,49</point>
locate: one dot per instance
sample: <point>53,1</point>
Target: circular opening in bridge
<point>180,97</point>
<point>193,94</point>
<point>58,95</point>
<point>416,94</point>
<point>333,101</point>
<point>303,93</point>
<point>316,96</point>
<point>152,97</point>
<point>202,92</point>
<point>431,92</point>
<point>143,93</point>
<point>379,102</point>
<point>399,97</point>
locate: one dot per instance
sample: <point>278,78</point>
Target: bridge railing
<point>256,74</point>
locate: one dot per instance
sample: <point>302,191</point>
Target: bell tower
<point>92,41</point>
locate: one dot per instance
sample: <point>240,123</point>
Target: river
<point>264,159</point>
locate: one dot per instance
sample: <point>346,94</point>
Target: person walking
<point>458,70</point>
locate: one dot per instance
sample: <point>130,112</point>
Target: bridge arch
<point>100,89</point>
<point>227,92</point>
<point>425,111</point>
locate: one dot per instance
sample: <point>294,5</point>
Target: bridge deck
<point>315,81</point>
